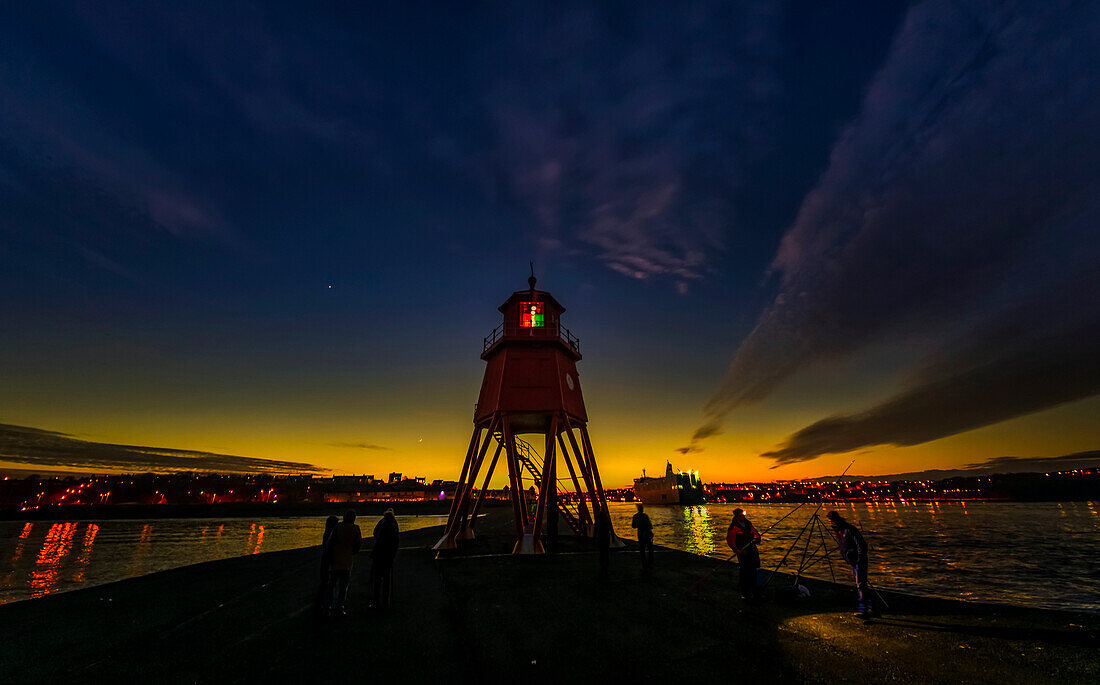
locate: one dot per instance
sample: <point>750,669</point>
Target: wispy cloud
<point>1066,462</point>
<point>618,133</point>
<point>967,183</point>
<point>1036,377</point>
<point>611,137</point>
<point>34,447</point>
<point>359,445</point>
<point>74,178</point>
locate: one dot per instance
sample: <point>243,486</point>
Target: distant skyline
<point>787,235</point>
<point>60,455</point>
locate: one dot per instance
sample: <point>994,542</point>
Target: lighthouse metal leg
<point>462,531</point>
<point>582,505</point>
<point>448,539</point>
<point>485,486</point>
<point>532,541</point>
<point>615,541</point>
<point>586,472</point>
<point>550,463</point>
<point>592,464</point>
<point>518,512</point>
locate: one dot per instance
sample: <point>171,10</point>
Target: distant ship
<point>673,488</point>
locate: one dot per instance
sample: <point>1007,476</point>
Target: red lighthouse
<point>531,388</point>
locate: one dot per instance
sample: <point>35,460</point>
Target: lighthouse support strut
<point>582,505</point>
<point>448,540</point>
<point>519,509</point>
<point>462,530</point>
<point>485,485</point>
<point>586,472</point>
<point>615,541</point>
<point>531,543</point>
<point>470,466</point>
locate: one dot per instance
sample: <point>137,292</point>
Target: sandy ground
<point>489,616</point>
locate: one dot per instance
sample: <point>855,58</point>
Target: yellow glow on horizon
<point>431,442</point>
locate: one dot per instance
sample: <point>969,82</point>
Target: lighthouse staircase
<point>568,504</point>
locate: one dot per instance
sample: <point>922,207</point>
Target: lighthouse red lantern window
<point>531,315</point>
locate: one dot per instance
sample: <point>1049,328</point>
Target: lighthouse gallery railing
<point>551,330</point>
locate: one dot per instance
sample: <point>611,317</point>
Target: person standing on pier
<point>744,540</point>
<point>345,543</point>
<point>603,539</point>
<point>645,536</point>
<point>382,558</point>
<point>324,583</point>
<point>853,549</point>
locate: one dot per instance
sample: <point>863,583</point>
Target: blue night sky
<point>787,234</point>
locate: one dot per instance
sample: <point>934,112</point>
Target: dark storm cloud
<point>34,447</point>
<point>968,182</point>
<point>625,134</point>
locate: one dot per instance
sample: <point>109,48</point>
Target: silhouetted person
<point>324,584</point>
<point>645,536</point>
<point>744,541</point>
<point>603,539</point>
<point>853,549</point>
<point>345,543</point>
<point>382,557</point>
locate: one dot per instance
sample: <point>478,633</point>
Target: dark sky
<point>280,230</point>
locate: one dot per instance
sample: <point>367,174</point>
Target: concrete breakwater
<point>487,615</point>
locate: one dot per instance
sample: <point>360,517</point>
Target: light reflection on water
<point>86,551</point>
<point>1038,554</point>
<point>696,530</point>
<point>47,568</point>
<point>42,557</point>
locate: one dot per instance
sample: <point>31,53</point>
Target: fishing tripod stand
<point>821,549</point>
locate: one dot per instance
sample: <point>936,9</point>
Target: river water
<point>1043,555</point>
<point>1034,554</point>
<point>42,557</point>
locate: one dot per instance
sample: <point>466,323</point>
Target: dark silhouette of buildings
<point>33,492</point>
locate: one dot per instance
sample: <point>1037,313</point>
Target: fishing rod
<point>766,530</point>
<point>808,526</point>
<point>751,543</point>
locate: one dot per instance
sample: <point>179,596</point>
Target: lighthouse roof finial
<point>531,278</point>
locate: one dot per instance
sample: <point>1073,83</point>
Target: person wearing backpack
<point>386,543</point>
<point>324,585</point>
<point>853,549</point>
<point>343,544</point>
<point>744,540</point>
